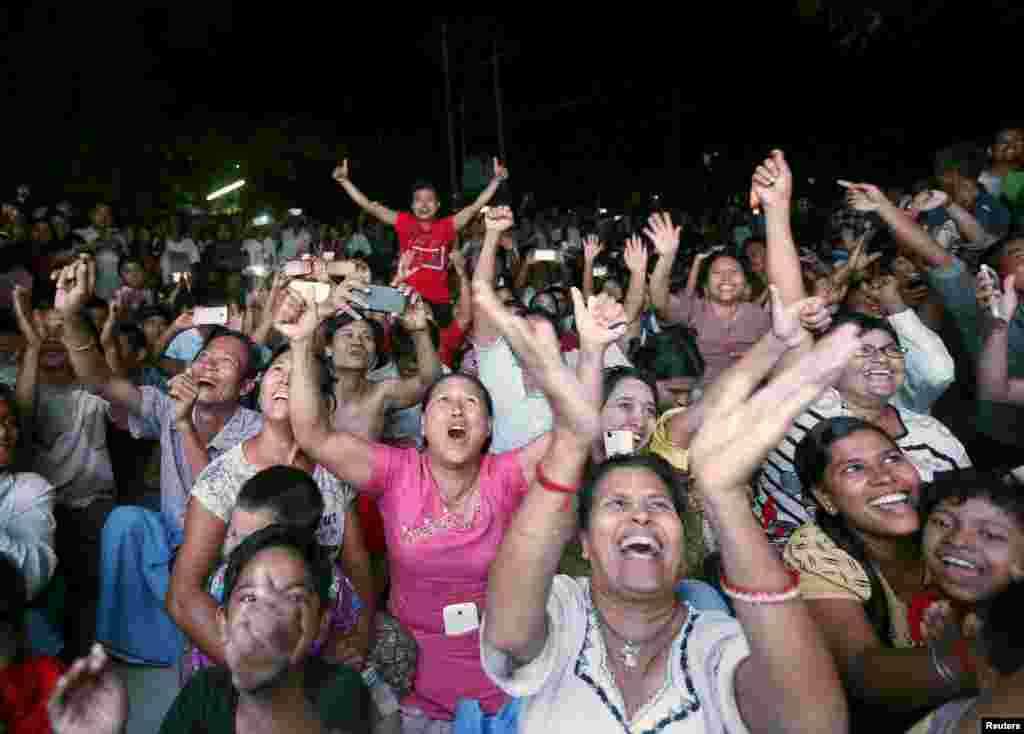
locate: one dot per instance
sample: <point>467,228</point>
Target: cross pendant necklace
<point>629,653</point>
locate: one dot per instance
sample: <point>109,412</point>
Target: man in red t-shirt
<point>431,239</point>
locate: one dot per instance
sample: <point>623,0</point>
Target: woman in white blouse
<point>620,652</point>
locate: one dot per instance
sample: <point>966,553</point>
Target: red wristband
<point>552,486</point>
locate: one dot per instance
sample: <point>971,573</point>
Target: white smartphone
<point>540,256</point>
<point>210,316</point>
<point>311,290</point>
<point>460,619</point>
<point>618,442</point>
<point>601,271</point>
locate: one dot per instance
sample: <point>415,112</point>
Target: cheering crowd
<point>524,471</point>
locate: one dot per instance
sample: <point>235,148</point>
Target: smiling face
<point>634,538</point>
<point>872,484</point>
<point>630,407</point>
<point>271,619</point>
<point>1011,262</point>
<point>50,326</point>
<point>874,378</point>
<point>220,371</point>
<point>153,327</point>
<point>354,346</point>
<point>455,421</point>
<point>274,389</point>
<point>425,204</point>
<point>973,549</point>
<point>726,282</point>
<point>10,432</point>
<point>133,275</point>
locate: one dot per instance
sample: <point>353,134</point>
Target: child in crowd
<point>294,501</point>
<point>973,546</point>
<point>26,683</point>
<point>133,293</point>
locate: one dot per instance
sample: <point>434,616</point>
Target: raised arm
<point>909,234</point>
<point>994,381</point>
<point>592,247</point>
<point>464,307</point>
<point>465,216</point>
<point>772,184</point>
<point>346,456</point>
<point>665,239</point>
<point>739,429</point>
<point>28,367</point>
<point>108,340</point>
<point>635,257</point>
<point>522,572</point>
<point>76,285</point>
<point>497,220</point>
<point>380,211</point>
<point>406,392</point>
<point>184,390</point>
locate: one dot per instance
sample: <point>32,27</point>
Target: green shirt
<point>208,702</point>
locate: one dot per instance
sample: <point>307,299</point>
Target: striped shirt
<point>779,500</point>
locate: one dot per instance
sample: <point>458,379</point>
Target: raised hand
<point>500,171</point>
<point>925,201</point>
<point>184,390</point>
<point>341,171</point>
<point>788,321</point>
<point>76,285</point>
<point>600,321</point>
<point>457,260</point>
<point>987,294</point>
<point>864,197</point>
<point>771,185</point>
<point>662,234</point>
<point>25,317</point>
<point>741,426</point>
<point>90,698</point>
<point>635,255</point>
<point>592,247</point>
<point>415,317</point>
<point>499,219</point>
<point>266,633</point>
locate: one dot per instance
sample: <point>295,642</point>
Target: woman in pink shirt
<point>446,507</point>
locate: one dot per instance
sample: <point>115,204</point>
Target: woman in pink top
<point>446,507</point>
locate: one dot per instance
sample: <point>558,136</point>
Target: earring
<point>828,507</point>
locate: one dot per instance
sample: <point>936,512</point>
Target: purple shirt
<point>721,342</point>
<point>156,421</point>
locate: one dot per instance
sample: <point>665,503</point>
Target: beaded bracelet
<point>755,596</point>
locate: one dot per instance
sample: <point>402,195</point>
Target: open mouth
<point>641,547</point>
<point>280,395</point>
<point>960,567</point>
<point>892,502</point>
<point>457,433</point>
<point>879,374</point>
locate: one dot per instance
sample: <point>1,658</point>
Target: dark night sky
<point>590,102</point>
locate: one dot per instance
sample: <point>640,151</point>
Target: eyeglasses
<point>892,351</point>
<point>219,361</point>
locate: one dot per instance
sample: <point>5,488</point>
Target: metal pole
<point>456,198</point>
<point>497,101</point>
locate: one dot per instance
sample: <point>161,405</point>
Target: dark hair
<point>13,601</point>
<point>1002,635</point>
<point>318,569</point>
<point>420,186</point>
<point>865,322</point>
<point>338,321</point>
<point>133,333</point>
<point>612,376</point>
<point>325,377</point>
<point>253,356</point>
<point>488,402</point>
<point>145,313</point>
<point>289,493</point>
<point>672,352</point>
<point>705,268</point>
<point>810,460</point>
<point>97,302</point>
<point>22,456</point>
<point>651,462</point>
<point>961,485</point>
<point>128,261</point>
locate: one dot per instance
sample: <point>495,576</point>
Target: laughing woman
<point>620,651</point>
<point>446,506</point>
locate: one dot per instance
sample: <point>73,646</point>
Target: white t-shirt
<point>569,688</point>
<point>27,527</point>
<point>218,486</point>
<point>71,444</point>
<point>178,257</point>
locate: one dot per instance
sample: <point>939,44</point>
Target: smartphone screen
<point>212,316</point>
<point>545,256</point>
<point>298,267</point>
<point>388,300</point>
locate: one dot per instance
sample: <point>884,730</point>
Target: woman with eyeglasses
<point>865,390</point>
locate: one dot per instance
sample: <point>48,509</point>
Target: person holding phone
<point>420,232</point>
<point>200,419</point>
